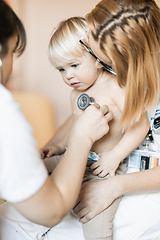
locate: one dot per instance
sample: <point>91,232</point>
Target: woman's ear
<point>1,72</point>
<point>0,55</point>
<point>0,50</point>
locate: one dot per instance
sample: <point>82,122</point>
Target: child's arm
<point>132,138</point>
<point>57,143</point>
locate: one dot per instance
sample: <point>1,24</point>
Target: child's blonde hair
<point>128,31</point>
<point>64,43</point>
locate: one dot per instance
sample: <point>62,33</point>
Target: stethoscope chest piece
<point>84,101</point>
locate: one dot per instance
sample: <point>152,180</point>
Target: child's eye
<point>61,70</point>
<point>74,65</point>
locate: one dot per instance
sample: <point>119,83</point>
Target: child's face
<point>80,73</point>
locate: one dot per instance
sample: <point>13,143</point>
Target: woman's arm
<point>139,182</point>
<point>59,193</point>
<point>95,197</point>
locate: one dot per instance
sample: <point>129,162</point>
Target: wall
<point>32,71</point>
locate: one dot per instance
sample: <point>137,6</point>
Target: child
<point>78,70</point>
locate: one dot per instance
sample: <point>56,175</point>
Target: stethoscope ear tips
<point>84,101</point>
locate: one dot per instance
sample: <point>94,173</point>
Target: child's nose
<point>70,75</point>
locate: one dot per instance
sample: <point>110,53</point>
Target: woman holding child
<point>128,33</point>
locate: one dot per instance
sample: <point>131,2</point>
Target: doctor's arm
<point>59,193</point>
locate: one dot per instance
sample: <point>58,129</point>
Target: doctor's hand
<point>92,123</point>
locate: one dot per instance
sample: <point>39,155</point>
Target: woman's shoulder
<point>11,113</point>
<point>8,106</point>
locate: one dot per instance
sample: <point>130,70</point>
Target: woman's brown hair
<point>128,31</point>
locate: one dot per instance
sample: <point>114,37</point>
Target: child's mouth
<point>75,84</point>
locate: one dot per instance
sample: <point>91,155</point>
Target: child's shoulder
<point>108,78</point>
<point>109,82</point>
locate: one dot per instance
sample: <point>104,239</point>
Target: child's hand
<point>107,164</point>
<point>49,151</point>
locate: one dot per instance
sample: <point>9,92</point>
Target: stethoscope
<point>84,101</point>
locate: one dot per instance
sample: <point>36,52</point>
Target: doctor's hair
<point>64,43</point>
<point>128,32</point>
<point>10,25</point>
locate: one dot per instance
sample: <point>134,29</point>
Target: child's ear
<point>98,65</point>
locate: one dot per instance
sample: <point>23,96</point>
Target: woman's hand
<point>95,197</point>
<point>92,123</point>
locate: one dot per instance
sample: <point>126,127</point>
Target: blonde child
<point>84,74</point>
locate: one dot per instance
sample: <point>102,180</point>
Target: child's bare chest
<point>103,96</point>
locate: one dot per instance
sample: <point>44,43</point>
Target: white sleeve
<point>22,172</point>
